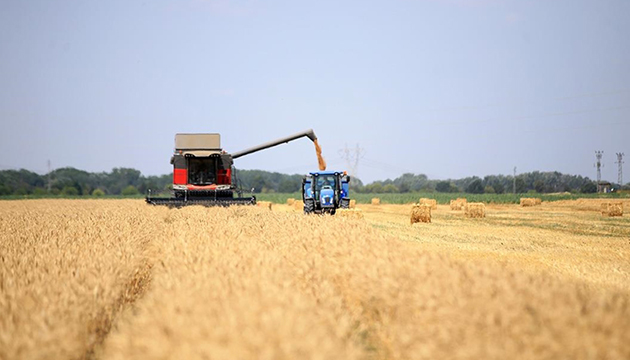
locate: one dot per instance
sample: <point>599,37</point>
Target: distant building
<point>604,187</point>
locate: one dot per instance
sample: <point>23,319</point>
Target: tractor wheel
<point>345,204</point>
<point>309,206</point>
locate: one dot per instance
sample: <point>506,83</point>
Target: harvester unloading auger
<point>202,171</point>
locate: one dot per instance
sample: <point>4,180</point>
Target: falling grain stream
<point>320,158</point>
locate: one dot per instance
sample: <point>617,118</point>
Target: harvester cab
<point>203,171</point>
<point>325,192</point>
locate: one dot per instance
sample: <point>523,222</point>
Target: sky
<point>446,88</point>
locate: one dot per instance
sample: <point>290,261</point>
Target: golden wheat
<point>67,267</point>
<point>248,283</point>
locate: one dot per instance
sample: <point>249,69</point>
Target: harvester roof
<point>201,144</point>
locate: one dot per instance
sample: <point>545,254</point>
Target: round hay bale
<point>537,201</point>
<point>350,213</point>
<point>290,201</point>
<point>612,208</point>
<point>376,201</point>
<point>421,213</point>
<point>528,202</point>
<point>475,210</point>
<point>298,205</point>
<point>353,204</point>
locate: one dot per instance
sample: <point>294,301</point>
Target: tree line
<point>74,182</point>
<point>536,181</point>
<point>125,181</point>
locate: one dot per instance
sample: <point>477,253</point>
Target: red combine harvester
<point>203,171</point>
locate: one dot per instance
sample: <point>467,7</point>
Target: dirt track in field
<point>120,279</point>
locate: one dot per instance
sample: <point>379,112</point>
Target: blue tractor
<point>325,192</point>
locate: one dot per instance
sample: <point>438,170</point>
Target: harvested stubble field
<point>117,279</point>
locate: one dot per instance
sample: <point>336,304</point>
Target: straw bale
<point>475,210</point>
<point>298,205</point>
<point>537,201</point>
<point>290,201</point>
<point>528,201</point>
<point>264,204</point>
<point>376,201</point>
<point>350,213</point>
<point>353,204</point>
<point>421,213</point>
<point>458,204</point>
<point>462,200</point>
<point>612,208</point>
<point>430,202</point>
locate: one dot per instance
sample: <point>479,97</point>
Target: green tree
<point>390,189</point>
<point>5,190</point>
<point>288,186</point>
<point>489,190</point>
<point>374,188</point>
<point>475,187</point>
<point>588,188</point>
<point>98,193</point>
<point>521,187</point>
<point>539,186</point>
<point>39,191</point>
<point>70,191</point>
<point>130,191</point>
<point>443,186</point>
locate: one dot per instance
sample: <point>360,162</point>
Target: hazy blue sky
<point>448,88</point>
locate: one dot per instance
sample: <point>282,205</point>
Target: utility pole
<point>352,157</point>
<point>514,182</point>
<point>598,155</point>
<point>620,163</point>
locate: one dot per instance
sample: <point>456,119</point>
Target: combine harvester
<point>202,171</point>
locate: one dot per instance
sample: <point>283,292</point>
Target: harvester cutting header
<point>203,171</point>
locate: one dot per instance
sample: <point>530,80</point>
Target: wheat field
<point>118,279</point>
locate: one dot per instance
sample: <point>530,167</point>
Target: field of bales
<point>119,279</point>
<point>445,198</point>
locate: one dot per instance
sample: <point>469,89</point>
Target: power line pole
<point>598,155</point>
<point>620,163</point>
<point>352,157</point>
<point>514,182</point>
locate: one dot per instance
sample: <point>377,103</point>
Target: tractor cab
<point>325,191</point>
